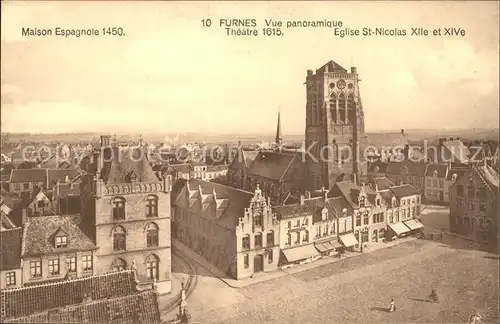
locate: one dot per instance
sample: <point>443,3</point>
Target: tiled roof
<point>230,202</point>
<point>10,244</point>
<point>387,196</point>
<point>348,189</point>
<point>383,183</point>
<point>332,67</point>
<point>54,175</point>
<point>28,175</point>
<point>404,191</point>
<point>35,299</point>
<point>6,221</point>
<point>137,308</point>
<point>440,169</point>
<point>338,204</point>
<point>40,232</point>
<point>123,163</point>
<point>290,211</point>
<point>10,199</point>
<point>378,167</point>
<point>416,169</point>
<point>243,159</point>
<point>271,165</point>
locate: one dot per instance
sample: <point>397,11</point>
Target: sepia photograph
<point>247,162</point>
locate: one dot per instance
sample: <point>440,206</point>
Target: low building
<point>406,208</point>
<point>233,229</point>
<point>436,186</point>
<point>296,239</point>
<point>407,172</point>
<point>215,171</point>
<point>54,248</point>
<point>106,298</point>
<point>474,204</point>
<point>10,263</point>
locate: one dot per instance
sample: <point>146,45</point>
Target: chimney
<point>308,194</point>
<point>302,198</point>
<point>376,187</point>
<point>309,72</point>
<point>354,70</point>
<point>326,195</point>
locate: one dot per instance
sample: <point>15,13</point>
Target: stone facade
<point>334,126</point>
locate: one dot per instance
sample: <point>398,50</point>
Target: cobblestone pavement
<point>359,289</point>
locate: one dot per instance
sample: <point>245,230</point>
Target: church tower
<point>335,122</point>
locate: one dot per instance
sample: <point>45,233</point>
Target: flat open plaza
<point>358,290</point>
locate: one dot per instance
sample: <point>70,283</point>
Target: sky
<point>171,74</point>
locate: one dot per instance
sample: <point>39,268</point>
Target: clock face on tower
<point>341,84</point>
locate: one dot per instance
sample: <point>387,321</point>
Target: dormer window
<point>435,174</point>
<point>324,215</point>
<point>361,201</point>
<point>61,241</point>
<point>377,202</point>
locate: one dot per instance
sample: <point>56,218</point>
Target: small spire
<point>279,135</point>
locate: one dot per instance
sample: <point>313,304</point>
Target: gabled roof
<point>10,244</point>
<point>291,211</point>
<point>28,175</point>
<point>439,169</point>
<point>387,196</point>
<point>243,159</point>
<point>228,203</point>
<point>332,67</point>
<point>121,161</point>
<point>40,230</point>
<point>39,298</point>
<point>338,205</point>
<point>347,189</point>
<point>383,183</point>
<point>54,175</point>
<point>403,191</point>
<point>7,223</point>
<point>378,167</point>
<point>416,169</point>
<point>272,165</point>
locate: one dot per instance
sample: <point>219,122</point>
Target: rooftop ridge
<point>106,274</point>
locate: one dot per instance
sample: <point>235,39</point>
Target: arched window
<point>333,107</point>
<point>152,206</point>
<point>119,265</point>
<point>118,208</point>
<point>351,109</point>
<point>245,242</point>
<point>342,109</point>
<point>119,239</point>
<point>152,262</point>
<point>152,235</point>
<point>358,220</point>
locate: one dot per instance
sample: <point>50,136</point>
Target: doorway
<point>258,263</point>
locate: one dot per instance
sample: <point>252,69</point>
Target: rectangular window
<point>470,192</point>
<point>460,191</point>
<point>10,278</point>
<point>41,204</point>
<point>87,262</point>
<point>471,205</point>
<point>71,263</point>
<point>441,184</point>
<point>53,267</point>
<point>246,261</point>
<point>61,241</point>
<point>258,241</point>
<point>366,219</point>
<point>17,187</point>
<point>325,230</point>
<point>434,183</point>
<point>318,230</point>
<point>36,269</point>
<point>418,210</point>
<point>298,223</point>
<point>270,239</point>
<point>413,210</point>
<point>289,224</point>
<point>429,182</point>
<point>26,186</point>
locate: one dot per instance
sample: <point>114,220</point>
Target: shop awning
<point>399,228</point>
<point>348,240</point>
<point>413,224</point>
<point>300,253</point>
<point>327,246</point>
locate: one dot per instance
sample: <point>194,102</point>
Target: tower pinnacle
<point>279,136</point>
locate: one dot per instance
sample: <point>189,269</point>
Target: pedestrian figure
<point>392,306</point>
